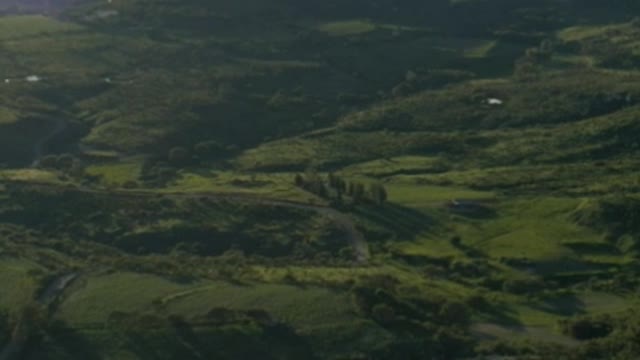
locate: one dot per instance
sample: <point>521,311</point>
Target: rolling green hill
<point>323,179</point>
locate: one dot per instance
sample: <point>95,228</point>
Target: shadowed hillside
<point>395,179</point>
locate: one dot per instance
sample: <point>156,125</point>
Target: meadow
<point>337,181</point>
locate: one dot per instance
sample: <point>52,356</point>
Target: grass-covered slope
<point>321,179</point>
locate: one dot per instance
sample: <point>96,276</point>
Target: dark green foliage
<point>618,217</point>
<point>350,188</point>
<point>210,89</point>
<point>383,313</point>
<point>65,161</point>
<point>313,183</point>
<point>5,327</point>
<point>338,186</point>
<point>211,150</point>
<point>587,328</point>
<point>358,192</point>
<point>452,343</point>
<point>200,227</point>
<point>378,193</point>
<point>523,286</point>
<point>49,162</point>
<point>156,173</point>
<point>452,312</point>
<point>178,156</point>
<point>606,336</point>
<point>333,180</point>
<point>341,186</point>
<point>456,241</point>
<point>220,334</point>
<point>432,329</point>
<point>565,97</point>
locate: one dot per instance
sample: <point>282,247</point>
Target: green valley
<point>278,179</point>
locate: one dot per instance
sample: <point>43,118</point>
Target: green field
<point>327,180</point>
<point>19,283</point>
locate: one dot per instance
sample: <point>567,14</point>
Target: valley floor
<point>319,183</point>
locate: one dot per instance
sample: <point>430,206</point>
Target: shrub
<point>383,313</point>
<point>178,156</point>
<point>523,286</point>
<point>469,268</point>
<point>587,328</point>
<point>456,241</point>
<point>452,343</point>
<point>378,193</point>
<point>49,162</point>
<point>210,149</point>
<point>478,302</point>
<point>453,312</point>
<point>65,161</point>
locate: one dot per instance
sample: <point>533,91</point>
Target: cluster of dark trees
<point>336,188</point>
<point>604,336</point>
<point>430,327</point>
<point>618,217</point>
<point>219,333</point>
<point>531,64</point>
<point>63,162</point>
<point>160,170</point>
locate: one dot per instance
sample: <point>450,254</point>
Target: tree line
<point>336,188</point>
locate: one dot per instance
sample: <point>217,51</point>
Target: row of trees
<point>66,163</point>
<point>162,169</point>
<point>335,187</point>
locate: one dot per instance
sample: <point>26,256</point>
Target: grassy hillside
<point>322,180</point>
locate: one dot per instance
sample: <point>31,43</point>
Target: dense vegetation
<point>393,179</point>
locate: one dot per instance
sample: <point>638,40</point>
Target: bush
<point>49,162</point>
<point>65,161</point>
<point>478,302</point>
<point>211,149</point>
<point>587,328</point>
<point>523,286</point>
<point>453,312</point>
<point>383,313</point>
<point>452,343</point>
<point>472,269</point>
<point>178,156</point>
